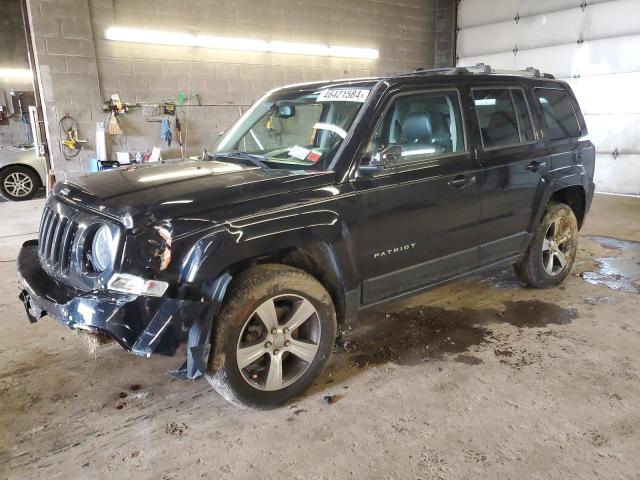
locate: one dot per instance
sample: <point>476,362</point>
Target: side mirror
<point>387,158</point>
<point>390,156</point>
<point>285,110</point>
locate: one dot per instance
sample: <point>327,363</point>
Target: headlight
<point>101,249</point>
<point>125,283</point>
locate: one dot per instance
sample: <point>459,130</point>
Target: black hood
<point>175,189</point>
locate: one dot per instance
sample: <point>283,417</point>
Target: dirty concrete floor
<point>482,378</point>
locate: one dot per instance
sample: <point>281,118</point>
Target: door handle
<point>461,181</point>
<point>535,166</point>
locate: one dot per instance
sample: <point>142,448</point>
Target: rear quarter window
<point>558,113</point>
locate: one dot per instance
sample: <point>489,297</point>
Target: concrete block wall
<point>81,68</point>
<point>68,75</point>
<point>13,54</point>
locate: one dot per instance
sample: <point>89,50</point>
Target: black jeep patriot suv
<point>322,200</point>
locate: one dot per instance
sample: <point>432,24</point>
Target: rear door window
<point>559,116</point>
<point>524,117</point>
<point>503,117</point>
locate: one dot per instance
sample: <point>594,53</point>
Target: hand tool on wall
<point>165,131</point>
<point>179,137</point>
<point>21,114</point>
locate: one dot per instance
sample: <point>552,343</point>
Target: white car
<point>22,173</point>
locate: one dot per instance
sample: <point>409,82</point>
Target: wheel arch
<point>316,242</point>
<point>569,186</point>
<point>575,197</point>
<point>318,259</point>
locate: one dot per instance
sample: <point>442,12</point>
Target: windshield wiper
<point>257,160</point>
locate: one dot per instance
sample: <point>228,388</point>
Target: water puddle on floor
<point>615,243</point>
<point>620,273</point>
<point>416,335</point>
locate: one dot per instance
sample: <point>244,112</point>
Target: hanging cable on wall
<point>70,145</point>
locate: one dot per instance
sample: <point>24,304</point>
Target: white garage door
<point>593,45</point>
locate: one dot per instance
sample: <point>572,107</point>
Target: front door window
<point>425,125</point>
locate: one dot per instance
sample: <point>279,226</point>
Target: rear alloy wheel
<point>18,183</point>
<point>552,251</point>
<point>556,246</point>
<point>273,337</point>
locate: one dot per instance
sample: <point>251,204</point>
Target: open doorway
<point>24,164</point>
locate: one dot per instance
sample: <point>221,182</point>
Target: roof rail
<point>481,69</point>
<point>484,69</point>
<point>424,71</point>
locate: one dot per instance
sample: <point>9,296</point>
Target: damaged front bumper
<point>143,325</point>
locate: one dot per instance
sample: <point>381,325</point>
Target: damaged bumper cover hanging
<point>143,325</point>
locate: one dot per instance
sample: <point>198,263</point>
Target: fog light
<point>125,283</point>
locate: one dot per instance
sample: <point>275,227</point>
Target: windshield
<point>295,130</point>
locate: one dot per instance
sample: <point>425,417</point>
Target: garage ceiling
<point>592,45</point>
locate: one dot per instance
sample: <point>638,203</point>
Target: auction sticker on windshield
<point>343,95</point>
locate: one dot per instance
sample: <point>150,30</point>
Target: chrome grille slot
<point>54,256</point>
<point>67,243</point>
<point>46,219</point>
<point>57,234</point>
<point>48,239</point>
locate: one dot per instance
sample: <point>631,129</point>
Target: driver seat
<point>418,131</point>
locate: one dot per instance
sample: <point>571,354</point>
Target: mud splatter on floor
<point>468,360</point>
<point>174,428</point>
<point>413,336</point>
<point>535,314</point>
<point>420,334</point>
<point>501,278</point>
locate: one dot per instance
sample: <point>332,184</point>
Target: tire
<point>248,354</point>
<point>552,250</point>
<point>18,183</point>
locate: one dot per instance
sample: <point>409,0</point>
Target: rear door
<point>514,163</point>
<point>560,126</point>
<point>419,217</point>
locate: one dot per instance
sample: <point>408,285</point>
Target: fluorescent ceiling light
<point>299,48</point>
<point>16,73</point>
<point>136,35</point>
<point>226,43</point>
<point>353,52</point>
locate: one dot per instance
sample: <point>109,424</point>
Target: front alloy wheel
<point>278,343</point>
<point>273,336</point>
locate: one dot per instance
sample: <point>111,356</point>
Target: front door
<point>419,215</point>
